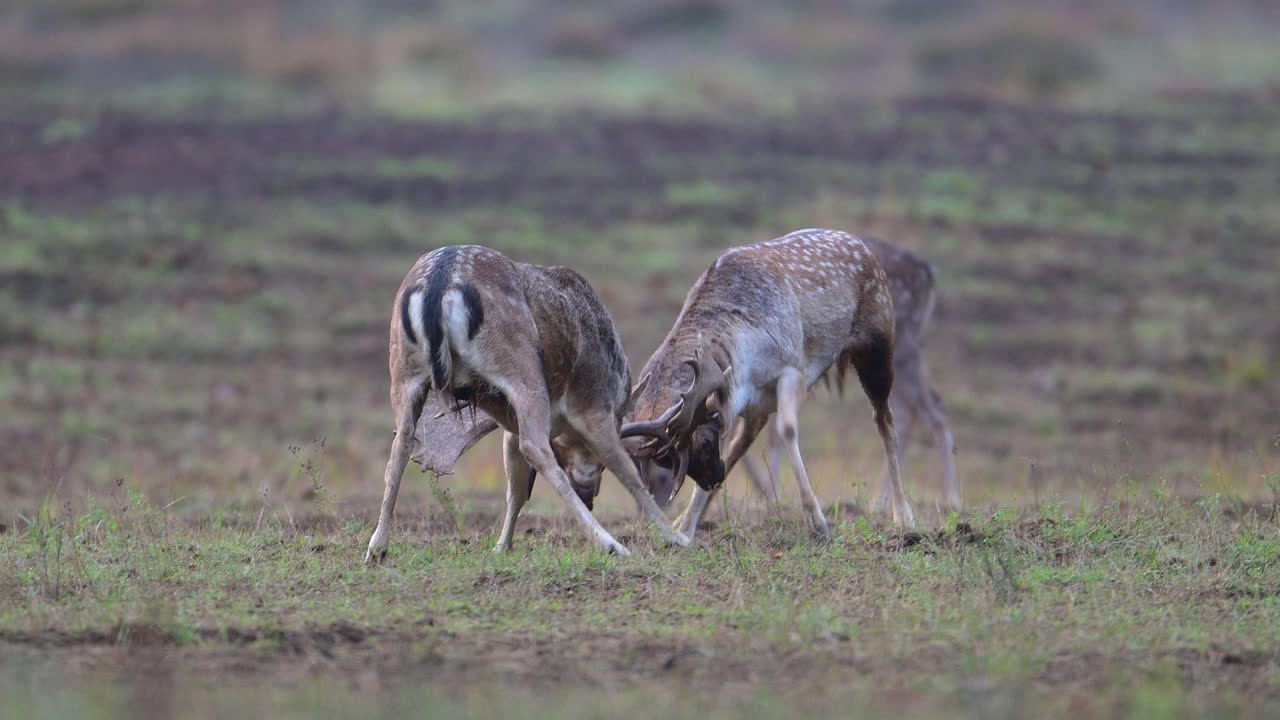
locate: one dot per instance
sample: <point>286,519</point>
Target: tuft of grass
<point>420,167</point>
<point>700,194</point>
<point>66,129</point>
<point>1248,369</point>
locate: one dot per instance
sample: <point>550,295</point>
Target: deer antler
<point>694,400</point>
<point>656,429</point>
<point>639,387</point>
<point>671,431</point>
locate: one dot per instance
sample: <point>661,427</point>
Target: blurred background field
<point>206,208</point>
<point>448,58</point>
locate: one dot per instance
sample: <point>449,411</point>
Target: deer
<point>912,287</point>
<point>533,349</point>
<point>760,326</point>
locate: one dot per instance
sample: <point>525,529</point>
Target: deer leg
<point>688,520</point>
<point>874,363</point>
<point>904,415</point>
<point>602,438</point>
<point>519,484</point>
<point>790,392</point>
<point>533,414</point>
<point>775,460</point>
<point>766,480</point>
<point>760,479</point>
<point>746,433</point>
<point>407,405</point>
<point>937,420</point>
<point>748,428</point>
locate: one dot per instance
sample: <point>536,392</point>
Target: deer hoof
<point>617,548</point>
<point>377,551</point>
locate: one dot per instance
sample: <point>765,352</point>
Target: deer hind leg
<point>937,420</point>
<point>407,400</point>
<point>601,436</point>
<point>874,362</point>
<point>791,390</point>
<point>904,406</point>
<point>533,415</point>
<point>519,484</point>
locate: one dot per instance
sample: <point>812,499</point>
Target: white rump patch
<point>456,319</point>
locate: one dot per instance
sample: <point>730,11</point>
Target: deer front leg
<point>748,427</point>
<point>406,409</point>
<point>601,436</point>
<point>519,484</point>
<point>688,520</point>
<point>791,391</point>
<point>533,414</point>
<point>764,481</point>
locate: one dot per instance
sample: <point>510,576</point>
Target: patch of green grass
<point>420,167</point>
<point>1248,369</point>
<point>23,223</point>
<point>66,129</point>
<point>700,194</point>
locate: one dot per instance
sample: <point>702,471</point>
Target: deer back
<point>477,325</point>
<point>796,301</point>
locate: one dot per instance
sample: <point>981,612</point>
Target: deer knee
<point>538,454</point>
<point>402,440</point>
<point>786,428</point>
<point>884,418</point>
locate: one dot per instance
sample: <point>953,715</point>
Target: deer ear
<point>639,387</point>
<point>713,403</point>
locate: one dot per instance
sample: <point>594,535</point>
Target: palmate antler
<point>672,430</point>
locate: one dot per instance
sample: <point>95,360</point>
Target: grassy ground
<point>1148,607</point>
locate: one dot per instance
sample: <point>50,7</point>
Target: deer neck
<point>670,376</point>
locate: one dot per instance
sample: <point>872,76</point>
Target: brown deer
<point>535,350</point>
<point>759,327</point>
<point>911,285</point>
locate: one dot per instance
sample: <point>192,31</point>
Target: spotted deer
<point>758,328</point>
<point>533,349</point>
<point>911,285</point>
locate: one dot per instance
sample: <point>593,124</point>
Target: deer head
<point>685,439</point>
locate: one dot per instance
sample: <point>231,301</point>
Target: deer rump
<point>443,434</point>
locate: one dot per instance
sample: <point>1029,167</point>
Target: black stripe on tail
<point>475,311</point>
<point>432,320</point>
